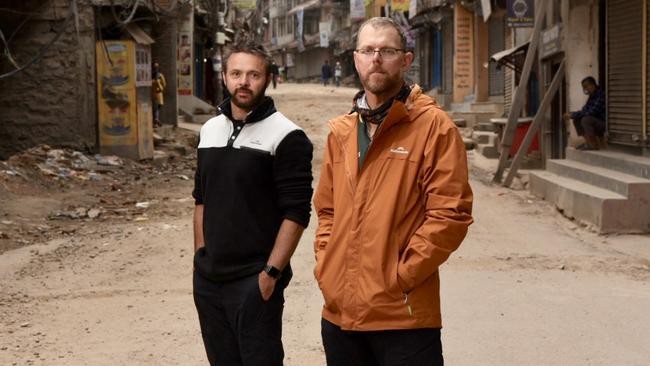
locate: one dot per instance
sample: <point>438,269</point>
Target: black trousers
<point>409,347</point>
<point>237,325</point>
<point>589,126</point>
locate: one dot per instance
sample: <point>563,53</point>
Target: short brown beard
<point>388,84</point>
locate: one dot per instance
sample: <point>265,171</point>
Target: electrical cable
<point>45,48</point>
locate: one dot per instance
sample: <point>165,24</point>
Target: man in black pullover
<point>252,193</point>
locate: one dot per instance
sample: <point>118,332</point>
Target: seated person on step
<point>590,120</point>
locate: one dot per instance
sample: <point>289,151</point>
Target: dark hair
<point>383,22</point>
<point>245,44</point>
<point>589,80</point>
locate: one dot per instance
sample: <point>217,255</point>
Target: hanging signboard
<point>551,41</point>
<point>300,15</point>
<point>521,13</point>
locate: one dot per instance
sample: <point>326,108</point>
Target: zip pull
<point>408,306</point>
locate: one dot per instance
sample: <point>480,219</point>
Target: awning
<point>512,58</point>
<point>138,34</point>
<point>304,6</point>
<point>430,17</point>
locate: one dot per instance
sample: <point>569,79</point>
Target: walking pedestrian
<point>275,72</point>
<point>393,202</point>
<point>252,193</point>
<point>326,73</point>
<point>158,85</point>
<point>338,73</point>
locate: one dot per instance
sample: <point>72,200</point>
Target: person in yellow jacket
<point>393,202</point>
<point>158,85</point>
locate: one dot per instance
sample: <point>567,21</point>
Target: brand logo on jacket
<point>399,150</point>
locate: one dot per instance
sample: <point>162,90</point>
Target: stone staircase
<point>486,140</point>
<point>608,189</point>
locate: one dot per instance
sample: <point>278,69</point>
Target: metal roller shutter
<point>496,43</point>
<point>624,71</point>
<point>647,68</point>
<point>508,77</point>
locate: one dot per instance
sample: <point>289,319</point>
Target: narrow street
<point>527,287</point>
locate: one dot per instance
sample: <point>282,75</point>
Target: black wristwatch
<point>272,271</point>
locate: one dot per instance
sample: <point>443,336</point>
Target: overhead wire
<point>43,49</point>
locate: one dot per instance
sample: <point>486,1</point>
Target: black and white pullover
<point>250,176</point>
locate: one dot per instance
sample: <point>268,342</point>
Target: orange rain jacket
<point>383,231</point>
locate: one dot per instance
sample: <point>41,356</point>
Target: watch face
<point>272,271</point>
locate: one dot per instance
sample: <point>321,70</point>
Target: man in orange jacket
<point>393,202</point>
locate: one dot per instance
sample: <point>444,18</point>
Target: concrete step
<point>201,118</point>
<point>474,118</point>
<point>469,143</point>
<point>486,127</point>
<point>487,150</point>
<point>627,185</point>
<point>483,137</point>
<point>625,163</point>
<point>459,122</point>
<point>488,107</point>
<point>600,207</point>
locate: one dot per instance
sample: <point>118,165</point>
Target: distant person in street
<point>252,193</point>
<point>338,73</point>
<point>590,120</point>
<point>326,73</point>
<point>158,84</point>
<point>275,73</point>
<point>393,202</point>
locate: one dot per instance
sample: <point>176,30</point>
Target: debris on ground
<point>66,186</point>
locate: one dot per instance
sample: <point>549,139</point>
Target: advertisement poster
<point>464,55</point>
<point>324,31</point>
<point>401,5</point>
<point>357,9</point>
<point>521,13</point>
<point>142,65</point>
<point>116,93</point>
<point>185,58</point>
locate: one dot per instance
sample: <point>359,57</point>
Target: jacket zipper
<point>408,306</point>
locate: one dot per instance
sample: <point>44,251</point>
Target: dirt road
<point>527,287</point>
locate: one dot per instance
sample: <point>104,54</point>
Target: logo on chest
<point>399,150</point>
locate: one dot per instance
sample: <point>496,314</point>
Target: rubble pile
<point>63,189</point>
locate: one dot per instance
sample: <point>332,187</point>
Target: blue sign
<point>521,13</point>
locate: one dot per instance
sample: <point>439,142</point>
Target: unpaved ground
<point>527,287</point>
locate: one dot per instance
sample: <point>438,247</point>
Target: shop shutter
<point>647,66</point>
<point>508,76</point>
<point>624,71</point>
<point>496,43</point>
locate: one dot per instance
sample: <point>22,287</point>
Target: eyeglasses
<point>385,53</point>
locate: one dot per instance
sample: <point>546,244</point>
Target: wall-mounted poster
<point>184,57</point>
<point>116,93</point>
<point>142,65</point>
